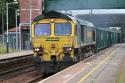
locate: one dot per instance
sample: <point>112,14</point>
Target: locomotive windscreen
<point>62,28</point>
<point>42,29</point>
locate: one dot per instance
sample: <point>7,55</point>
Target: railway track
<point>10,67</point>
<point>19,69</point>
<point>12,63</point>
<point>4,61</point>
<point>27,77</point>
<point>15,72</point>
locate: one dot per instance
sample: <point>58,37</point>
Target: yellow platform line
<point>93,70</point>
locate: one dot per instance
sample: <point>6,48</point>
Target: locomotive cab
<point>53,39</point>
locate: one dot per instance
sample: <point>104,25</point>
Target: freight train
<point>60,40</point>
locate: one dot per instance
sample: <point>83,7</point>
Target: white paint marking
<point>66,76</point>
<point>89,63</point>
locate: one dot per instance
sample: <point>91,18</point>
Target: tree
<point>2,15</point>
<point>12,9</point>
<point>2,6</point>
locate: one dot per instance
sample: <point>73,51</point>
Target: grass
<point>121,72</point>
<point>3,49</point>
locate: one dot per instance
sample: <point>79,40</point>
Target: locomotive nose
<point>52,46</point>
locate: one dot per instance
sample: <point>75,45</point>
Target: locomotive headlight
<point>38,49</point>
<point>67,49</point>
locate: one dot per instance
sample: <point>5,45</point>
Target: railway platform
<point>100,68</point>
<point>15,54</point>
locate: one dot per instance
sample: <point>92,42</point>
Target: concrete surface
<point>15,54</point>
<point>100,69</point>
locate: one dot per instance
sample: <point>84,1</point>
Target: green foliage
<point>2,49</point>
<point>12,8</point>
<point>2,6</point>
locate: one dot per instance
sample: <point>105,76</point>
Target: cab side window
<point>76,29</point>
<point>93,35</point>
<point>82,33</point>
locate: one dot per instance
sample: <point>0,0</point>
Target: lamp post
<point>20,36</point>
<point>30,12</point>
<point>43,5</point>
<point>15,2</point>
<point>3,27</point>
<point>17,14</point>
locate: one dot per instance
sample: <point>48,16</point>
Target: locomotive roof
<point>55,14</point>
<point>83,22</point>
<point>107,29</point>
<point>51,14</point>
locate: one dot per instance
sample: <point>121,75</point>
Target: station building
<point>25,19</point>
<point>23,28</point>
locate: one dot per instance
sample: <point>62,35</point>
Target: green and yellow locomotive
<point>59,40</point>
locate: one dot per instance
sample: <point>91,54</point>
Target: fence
<point>11,40</point>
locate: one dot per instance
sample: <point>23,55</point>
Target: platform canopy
<point>84,4</point>
<point>100,12</point>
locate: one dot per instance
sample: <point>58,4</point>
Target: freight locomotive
<point>60,40</point>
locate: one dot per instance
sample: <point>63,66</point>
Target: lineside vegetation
<point>3,49</point>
